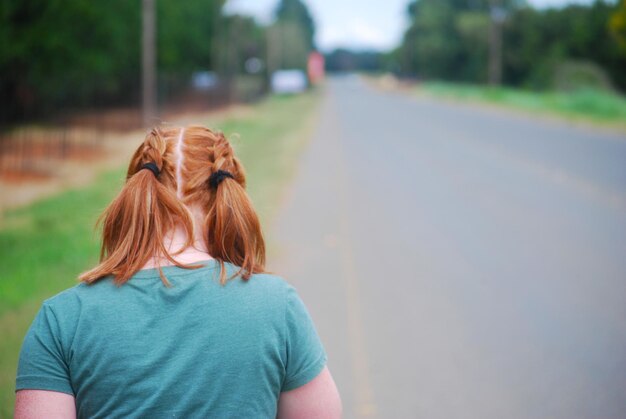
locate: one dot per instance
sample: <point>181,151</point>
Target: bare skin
<point>318,398</point>
<point>176,241</point>
<point>34,404</point>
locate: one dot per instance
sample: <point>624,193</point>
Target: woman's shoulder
<point>266,283</point>
<point>268,280</point>
<point>71,297</point>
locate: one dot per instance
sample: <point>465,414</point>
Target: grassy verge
<point>587,105</point>
<point>43,247</point>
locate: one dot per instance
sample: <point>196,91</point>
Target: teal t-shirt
<point>195,349</point>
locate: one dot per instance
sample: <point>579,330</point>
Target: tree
<point>290,38</point>
<point>60,54</point>
<point>541,42</point>
<point>289,48</point>
<point>239,39</point>
<point>66,52</point>
<point>295,11</point>
<point>185,30</point>
<point>447,39</point>
<point>433,44</point>
<point>617,24</point>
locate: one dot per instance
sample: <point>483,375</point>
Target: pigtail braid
<point>232,226</point>
<point>135,223</point>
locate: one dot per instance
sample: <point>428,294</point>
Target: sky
<point>359,24</point>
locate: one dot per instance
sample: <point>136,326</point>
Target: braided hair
<point>191,166</point>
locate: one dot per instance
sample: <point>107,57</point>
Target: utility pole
<point>273,36</point>
<point>148,62</point>
<point>497,16</point>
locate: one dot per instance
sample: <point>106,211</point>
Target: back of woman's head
<point>175,174</point>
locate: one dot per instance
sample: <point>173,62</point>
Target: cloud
<point>355,33</point>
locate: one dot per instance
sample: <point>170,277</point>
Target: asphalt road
<point>460,262</point>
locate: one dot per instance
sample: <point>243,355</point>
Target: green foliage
<point>70,53</point>
<point>289,45</point>
<point>538,43</point>
<point>431,45</point>
<point>296,11</point>
<point>585,104</point>
<point>52,239</point>
<point>291,37</point>
<point>57,51</point>
<point>448,40</point>
<point>238,39</point>
<point>578,75</point>
<point>617,25</point>
<point>185,31</point>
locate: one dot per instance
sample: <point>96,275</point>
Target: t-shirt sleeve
<point>42,364</point>
<point>306,356</point>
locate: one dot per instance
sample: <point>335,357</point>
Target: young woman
<point>178,318</point>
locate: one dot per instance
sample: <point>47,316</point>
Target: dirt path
<point>114,150</point>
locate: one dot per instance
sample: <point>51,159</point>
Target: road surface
<point>460,262</point>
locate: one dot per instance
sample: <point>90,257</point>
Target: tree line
<point>72,54</point>
<point>577,45</point>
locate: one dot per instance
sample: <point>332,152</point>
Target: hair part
<point>148,208</point>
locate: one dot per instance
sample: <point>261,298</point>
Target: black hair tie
<point>151,167</point>
<point>218,176</point>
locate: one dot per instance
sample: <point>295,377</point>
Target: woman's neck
<point>175,243</point>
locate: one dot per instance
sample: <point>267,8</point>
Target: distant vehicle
<point>289,81</point>
<point>254,65</point>
<point>204,80</point>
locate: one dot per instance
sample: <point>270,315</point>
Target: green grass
<point>43,247</point>
<point>585,104</point>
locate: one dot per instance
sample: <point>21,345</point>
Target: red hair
<point>135,224</point>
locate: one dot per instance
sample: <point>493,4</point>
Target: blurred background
<point>444,181</point>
